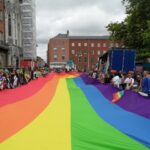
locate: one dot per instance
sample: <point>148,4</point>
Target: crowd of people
<point>139,82</point>
<point>12,78</point>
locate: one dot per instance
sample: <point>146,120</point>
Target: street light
<point>88,53</point>
<point>78,55</point>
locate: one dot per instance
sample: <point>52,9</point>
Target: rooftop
<point>60,35</point>
<point>83,37</point>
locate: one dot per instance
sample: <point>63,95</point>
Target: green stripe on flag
<point>89,131</point>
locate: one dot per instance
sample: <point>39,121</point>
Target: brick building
<point>84,51</point>
<point>58,50</point>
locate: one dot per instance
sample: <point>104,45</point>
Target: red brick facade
<point>58,51</point>
<point>83,51</point>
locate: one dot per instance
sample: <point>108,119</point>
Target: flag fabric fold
<point>66,113</point>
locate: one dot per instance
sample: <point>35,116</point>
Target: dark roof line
<point>106,37</point>
<point>61,36</point>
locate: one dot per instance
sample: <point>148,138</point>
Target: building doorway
<point>3,59</point>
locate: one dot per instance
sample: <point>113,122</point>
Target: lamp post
<point>78,55</point>
<point>88,53</point>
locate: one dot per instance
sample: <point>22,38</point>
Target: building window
<point>80,53</point>
<point>85,59</point>
<point>85,44</point>
<point>55,57</point>
<point>92,44</point>
<point>92,52</point>
<point>73,44</point>
<point>63,50</point>
<point>104,45</point>
<point>79,44</point>
<point>63,57</point>
<point>98,45</point>
<point>79,59</point>
<point>73,52</point>
<point>104,52</point>
<point>9,25</point>
<point>55,49</point>
<point>85,52</point>
<point>98,52</point>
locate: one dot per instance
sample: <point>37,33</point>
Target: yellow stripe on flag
<point>50,130</point>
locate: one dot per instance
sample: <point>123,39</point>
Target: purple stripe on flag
<point>131,101</point>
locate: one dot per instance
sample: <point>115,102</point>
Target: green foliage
<point>143,55</point>
<point>117,31</point>
<point>146,37</point>
<point>134,31</point>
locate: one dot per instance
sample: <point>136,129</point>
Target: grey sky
<point>80,17</point>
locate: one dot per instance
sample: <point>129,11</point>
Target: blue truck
<point>119,59</point>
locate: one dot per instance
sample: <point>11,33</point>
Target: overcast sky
<point>80,17</point>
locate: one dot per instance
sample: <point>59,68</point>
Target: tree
<point>134,30</point>
<point>146,36</point>
<point>118,31</point>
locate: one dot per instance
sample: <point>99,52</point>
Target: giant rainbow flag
<point>72,112</point>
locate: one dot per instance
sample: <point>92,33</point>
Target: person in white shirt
<point>129,81</point>
<point>1,80</point>
<point>15,83</point>
<point>94,74</point>
<point>116,81</point>
<point>1,83</point>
